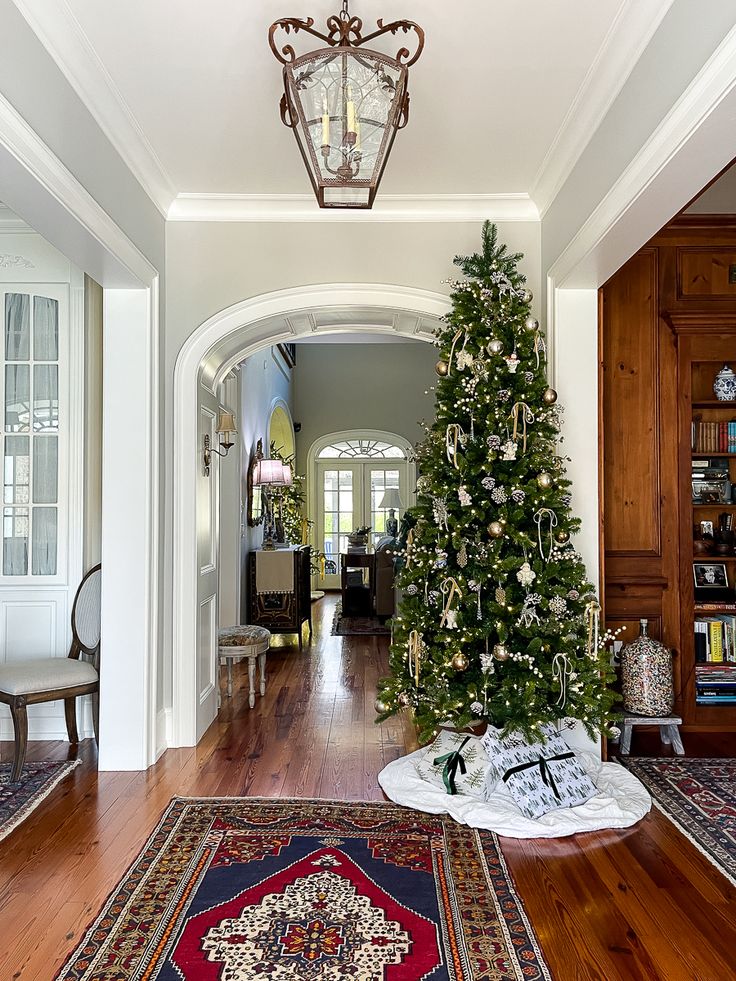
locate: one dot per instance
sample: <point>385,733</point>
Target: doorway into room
<point>351,477</point>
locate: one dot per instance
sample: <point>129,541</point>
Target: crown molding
<point>388,208</point>
<point>631,31</point>
<point>63,37</point>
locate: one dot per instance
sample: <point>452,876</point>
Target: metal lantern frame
<point>344,40</point>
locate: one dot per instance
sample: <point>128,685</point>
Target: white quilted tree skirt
<point>622,801</point>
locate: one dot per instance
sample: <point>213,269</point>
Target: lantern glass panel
<point>348,104</point>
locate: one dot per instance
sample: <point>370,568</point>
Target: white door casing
<point>208,564</point>
<point>221,343</point>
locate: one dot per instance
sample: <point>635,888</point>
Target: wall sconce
<point>225,430</point>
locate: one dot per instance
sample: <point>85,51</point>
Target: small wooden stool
<point>669,732</point>
<point>244,641</point>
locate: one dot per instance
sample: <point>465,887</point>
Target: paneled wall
<point>683,268</point>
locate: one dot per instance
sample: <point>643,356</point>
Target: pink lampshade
<point>287,475</point>
<point>268,472</point>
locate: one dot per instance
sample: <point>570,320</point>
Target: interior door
<point>207,562</point>
<point>340,495</point>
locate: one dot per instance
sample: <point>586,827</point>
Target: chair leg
<point>20,726</point>
<point>70,714</point>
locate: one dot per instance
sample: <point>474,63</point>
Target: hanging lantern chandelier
<point>345,104</point>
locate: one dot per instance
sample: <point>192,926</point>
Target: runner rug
<point>699,796</point>
<point>229,889</point>
<point>346,626</point>
<point>18,800</point>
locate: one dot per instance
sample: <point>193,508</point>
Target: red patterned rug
<point>699,797</point>
<point>37,780</point>
<point>229,889</point>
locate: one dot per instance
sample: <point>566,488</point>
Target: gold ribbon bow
<point>561,671</point>
<point>452,439</point>
<point>593,620</point>
<point>539,517</point>
<point>539,346</point>
<point>414,655</point>
<point>409,544</point>
<point>455,339</point>
<point>521,414</point>
<point>449,586</point>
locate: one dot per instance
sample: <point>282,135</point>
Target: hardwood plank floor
<point>635,905</point>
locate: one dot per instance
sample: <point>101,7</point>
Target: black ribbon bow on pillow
<point>453,761</point>
<point>545,771</point>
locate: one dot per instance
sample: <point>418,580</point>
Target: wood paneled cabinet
<point>283,613</point>
<point>667,325</point>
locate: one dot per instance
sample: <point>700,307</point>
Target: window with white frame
<point>31,434</point>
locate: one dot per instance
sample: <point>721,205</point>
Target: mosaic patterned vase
<point>724,386</point>
<point>646,671</point>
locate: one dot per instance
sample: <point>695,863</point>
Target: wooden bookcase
<point>705,341</point>
<point>667,325</point>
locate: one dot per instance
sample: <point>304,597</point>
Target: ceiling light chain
<point>345,105</point>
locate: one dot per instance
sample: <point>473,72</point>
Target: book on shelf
<point>713,437</point>
<point>715,699</point>
<point>715,639</point>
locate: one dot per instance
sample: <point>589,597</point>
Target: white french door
<point>349,494</point>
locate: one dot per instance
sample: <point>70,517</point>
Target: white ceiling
<point>503,98</point>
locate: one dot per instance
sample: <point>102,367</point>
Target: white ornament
<point>488,483</point>
<point>512,362</point>
<point>526,575</point>
<point>462,556</point>
<point>465,499</point>
<point>509,450</point>
<point>451,619</point>
<point>529,615</point>
<point>498,495</point>
<point>463,359</point>
<point>476,708</point>
<point>558,606</point>
<point>440,512</point>
<point>412,589</point>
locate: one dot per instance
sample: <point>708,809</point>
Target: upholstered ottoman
<point>246,641</point>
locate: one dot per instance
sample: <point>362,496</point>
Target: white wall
<point>362,386</point>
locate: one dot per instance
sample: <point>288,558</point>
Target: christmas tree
<point>498,622</point>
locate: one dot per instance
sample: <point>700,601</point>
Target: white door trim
<point>261,321</point>
<point>44,192</point>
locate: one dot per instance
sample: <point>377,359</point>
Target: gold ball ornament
<point>495,346</point>
<point>442,368</point>
<point>501,652</point>
<point>380,706</point>
<point>545,480</point>
<point>562,536</point>
<point>550,396</point>
<point>531,324</point>
<point>460,661</point>
<point>495,529</point>
<point>526,296</point>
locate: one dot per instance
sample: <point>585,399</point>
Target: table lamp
<point>391,501</point>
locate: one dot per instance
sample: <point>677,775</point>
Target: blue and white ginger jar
<point>724,386</point>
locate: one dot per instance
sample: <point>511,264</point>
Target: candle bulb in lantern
<point>325,124</point>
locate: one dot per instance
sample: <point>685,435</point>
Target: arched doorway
<point>204,361</point>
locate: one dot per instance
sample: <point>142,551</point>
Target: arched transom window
<point>362,449</point>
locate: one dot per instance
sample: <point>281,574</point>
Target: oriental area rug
<point>37,780</point>
<point>349,626</point>
<point>229,889</point>
<point>699,797</point>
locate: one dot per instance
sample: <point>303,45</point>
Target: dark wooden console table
<point>358,599</point>
<point>283,613</point>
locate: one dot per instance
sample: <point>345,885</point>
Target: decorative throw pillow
<point>456,762</point>
<point>542,775</point>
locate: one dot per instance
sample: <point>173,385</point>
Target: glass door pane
<point>339,491</point>
<point>379,479</point>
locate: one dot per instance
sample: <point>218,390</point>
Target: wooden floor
<point>637,904</point>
